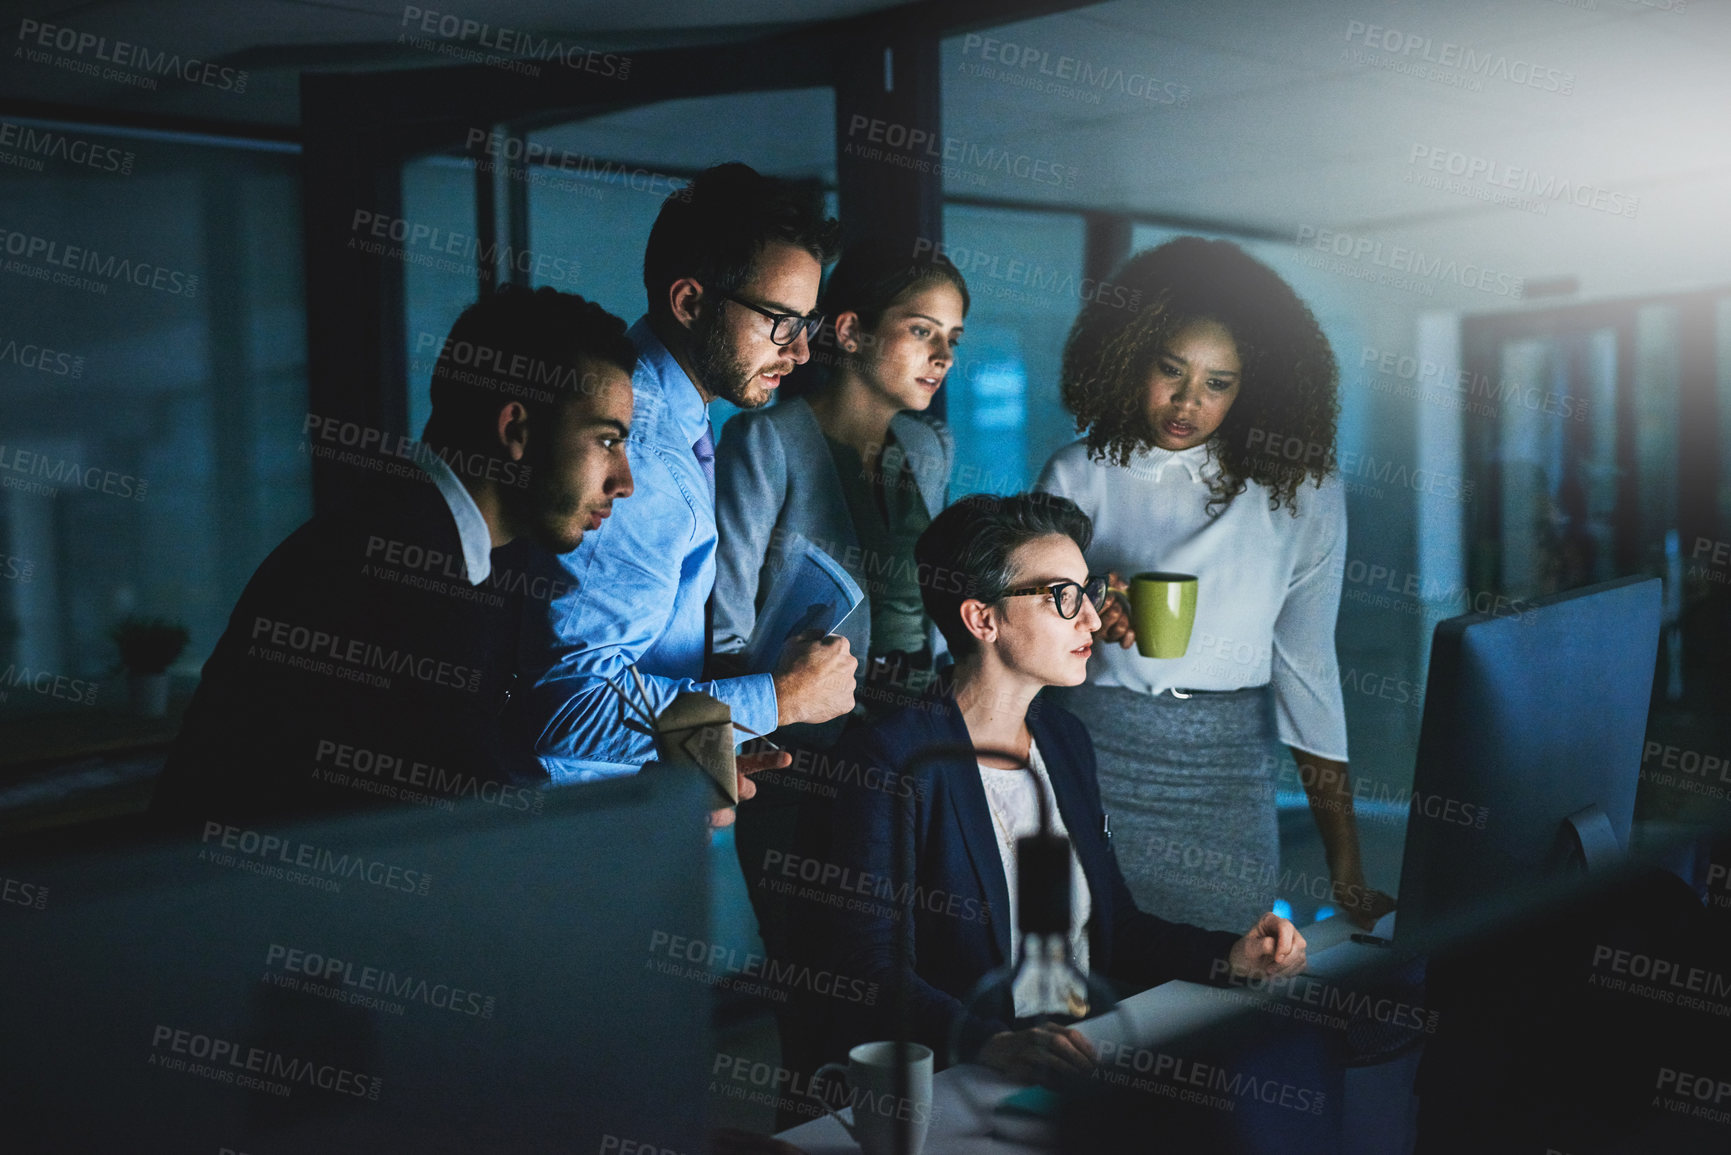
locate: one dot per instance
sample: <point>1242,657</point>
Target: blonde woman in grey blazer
<point>855,467</point>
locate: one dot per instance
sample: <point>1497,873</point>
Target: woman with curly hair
<point>1193,407</point>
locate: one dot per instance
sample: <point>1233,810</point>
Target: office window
<point>595,214</point>
<point>438,192</point>
<point>1558,476</point>
<point>1024,274</point>
<point>153,457</point>
<point>1657,379</point>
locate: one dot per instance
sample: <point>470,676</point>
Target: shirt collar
<point>684,403</point>
<point>472,529</point>
<point>1153,461</point>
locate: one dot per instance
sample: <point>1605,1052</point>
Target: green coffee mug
<point>1162,612</point>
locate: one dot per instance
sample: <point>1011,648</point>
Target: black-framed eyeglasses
<point>1068,595</point>
<point>785,328</point>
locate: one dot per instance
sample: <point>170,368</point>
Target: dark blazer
<point>960,901</point>
<point>359,631</point>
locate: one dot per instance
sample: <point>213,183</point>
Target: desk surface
<point>1146,1019</point>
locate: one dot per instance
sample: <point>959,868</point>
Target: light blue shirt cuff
<point>751,701</point>
<point>751,705</point>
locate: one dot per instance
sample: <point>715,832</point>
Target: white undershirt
<point>1268,583</point>
<point>1016,814</point>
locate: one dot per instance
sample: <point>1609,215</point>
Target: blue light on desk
<point>1323,912</point>
<point>1282,908</point>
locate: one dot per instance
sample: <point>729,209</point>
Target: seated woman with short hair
<point>1004,579</point>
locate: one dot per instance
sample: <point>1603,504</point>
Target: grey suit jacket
<point>775,482</point>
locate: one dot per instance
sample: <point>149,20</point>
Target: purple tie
<point>705,451</point>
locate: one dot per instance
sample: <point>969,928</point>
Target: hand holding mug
<point>1115,614</point>
<point>1155,611</point>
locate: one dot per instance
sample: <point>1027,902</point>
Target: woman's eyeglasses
<point>784,328</point>
<point>1067,595</point>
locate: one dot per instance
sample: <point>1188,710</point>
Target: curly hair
<point>1288,383</point>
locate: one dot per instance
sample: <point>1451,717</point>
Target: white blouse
<point>1268,583</point>
<point>1016,814</point>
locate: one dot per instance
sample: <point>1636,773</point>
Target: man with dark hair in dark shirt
<point>372,655</point>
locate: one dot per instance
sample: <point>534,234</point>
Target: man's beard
<point>720,371</point>
<point>554,511</point>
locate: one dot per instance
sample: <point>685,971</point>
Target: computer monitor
<point>402,981</point>
<point>1530,749</point>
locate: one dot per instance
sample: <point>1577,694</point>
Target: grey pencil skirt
<point>1188,786</point>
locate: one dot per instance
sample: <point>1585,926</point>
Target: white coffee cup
<point>870,1076</point>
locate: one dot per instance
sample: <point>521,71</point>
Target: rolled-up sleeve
<point>633,599</point>
<point>1305,673</point>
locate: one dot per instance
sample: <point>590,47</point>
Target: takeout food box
<point>697,730</point>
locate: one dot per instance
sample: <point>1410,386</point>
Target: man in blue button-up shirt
<point>732,271</point>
